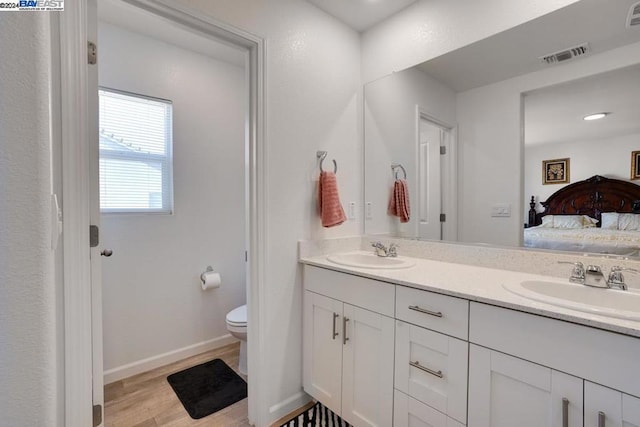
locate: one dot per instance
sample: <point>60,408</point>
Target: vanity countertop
<point>479,284</point>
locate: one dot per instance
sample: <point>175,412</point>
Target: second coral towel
<point>399,203</point>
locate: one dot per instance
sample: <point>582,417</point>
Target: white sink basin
<point>606,302</point>
<point>370,260</point>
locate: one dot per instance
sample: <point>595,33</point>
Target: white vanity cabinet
<point>605,407</point>
<point>348,348</point>
<point>510,382</point>
<point>505,391</point>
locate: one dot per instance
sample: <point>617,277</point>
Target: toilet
<point>237,326</point>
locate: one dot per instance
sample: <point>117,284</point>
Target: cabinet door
<point>432,368</point>
<point>505,391</point>
<point>322,349</point>
<point>605,407</point>
<point>367,385</point>
<point>409,412</point>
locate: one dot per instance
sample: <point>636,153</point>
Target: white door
<point>605,407</point>
<point>322,349</point>
<point>94,217</point>
<point>367,368</point>
<point>429,181</point>
<point>505,391</point>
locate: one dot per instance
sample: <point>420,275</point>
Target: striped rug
<point>317,416</point>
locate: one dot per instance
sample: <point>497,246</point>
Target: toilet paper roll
<point>210,280</point>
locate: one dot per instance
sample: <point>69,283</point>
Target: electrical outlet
<point>352,210</point>
<point>501,210</point>
<point>369,210</point>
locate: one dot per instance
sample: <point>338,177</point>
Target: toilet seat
<point>238,317</point>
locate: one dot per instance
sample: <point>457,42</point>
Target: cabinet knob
<point>106,252</point>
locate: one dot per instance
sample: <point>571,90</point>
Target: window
<point>135,153</point>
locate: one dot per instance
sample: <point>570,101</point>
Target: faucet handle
<point>616,278</point>
<point>577,274</point>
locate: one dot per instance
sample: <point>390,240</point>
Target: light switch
<point>352,210</point>
<point>501,210</point>
<point>369,210</point>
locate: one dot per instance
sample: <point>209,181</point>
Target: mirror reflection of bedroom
<point>581,177</point>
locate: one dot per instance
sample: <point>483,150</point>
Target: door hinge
<point>443,217</point>
<point>92,51</point>
<point>94,236</point>
<point>97,415</point>
<point>246,256</point>
<point>443,150</point>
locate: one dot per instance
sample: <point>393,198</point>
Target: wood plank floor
<point>147,399</point>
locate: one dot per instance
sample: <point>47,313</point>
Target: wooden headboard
<point>589,197</point>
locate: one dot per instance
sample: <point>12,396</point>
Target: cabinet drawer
<point>355,290</point>
<point>432,368</point>
<point>408,411</point>
<point>433,311</point>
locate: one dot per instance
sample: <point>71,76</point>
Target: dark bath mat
<point>207,388</point>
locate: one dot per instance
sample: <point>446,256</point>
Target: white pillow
<point>628,221</point>
<point>568,221</point>
<point>609,220</point>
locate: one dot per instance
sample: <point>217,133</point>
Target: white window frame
<point>166,160</point>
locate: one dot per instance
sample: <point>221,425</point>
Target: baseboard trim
<point>153,362</point>
<point>288,405</point>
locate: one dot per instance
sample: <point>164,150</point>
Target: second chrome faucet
<point>592,276</point>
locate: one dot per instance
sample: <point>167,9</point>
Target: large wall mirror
<point>472,128</point>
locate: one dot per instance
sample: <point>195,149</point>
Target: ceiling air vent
<point>634,16</point>
<point>567,54</point>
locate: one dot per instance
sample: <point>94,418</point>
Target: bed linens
<point>597,240</point>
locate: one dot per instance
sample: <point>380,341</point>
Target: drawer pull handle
<point>565,412</point>
<point>335,316</point>
<point>417,364</point>
<point>344,330</point>
<point>601,419</point>
<point>425,311</point>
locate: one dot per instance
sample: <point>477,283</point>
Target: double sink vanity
<point>412,341</point>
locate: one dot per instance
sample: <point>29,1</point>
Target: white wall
<point>313,102</point>
<point>390,132</point>
<point>489,138</point>
<point>610,157</point>
<point>430,28</point>
<point>152,300</point>
<point>29,372</point>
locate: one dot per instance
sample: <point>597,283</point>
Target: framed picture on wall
<point>555,171</point>
<point>635,165</point>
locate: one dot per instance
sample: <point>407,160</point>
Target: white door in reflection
<point>432,148</point>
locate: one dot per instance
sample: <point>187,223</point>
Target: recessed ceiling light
<point>595,116</point>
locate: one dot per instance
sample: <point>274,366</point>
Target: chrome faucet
<point>383,251</point>
<point>592,276</point>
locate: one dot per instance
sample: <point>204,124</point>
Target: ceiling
<point>515,52</point>
<point>362,14</point>
<point>554,114</point>
<point>139,21</point>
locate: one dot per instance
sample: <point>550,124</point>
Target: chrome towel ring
<point>322,155</point>
<point>395,167</point>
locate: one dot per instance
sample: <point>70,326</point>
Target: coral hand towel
<point>399,203</point>
<point>329,205</point>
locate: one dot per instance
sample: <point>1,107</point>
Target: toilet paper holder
<point>209,269</point>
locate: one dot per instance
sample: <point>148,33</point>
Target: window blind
<point>135,153</point>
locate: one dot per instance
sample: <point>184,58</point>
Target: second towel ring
<point>394,169</point>
<point>322,155</point>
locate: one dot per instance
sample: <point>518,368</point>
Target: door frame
<point>78,353</point>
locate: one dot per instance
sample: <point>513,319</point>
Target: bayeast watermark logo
<point>32,6</point>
